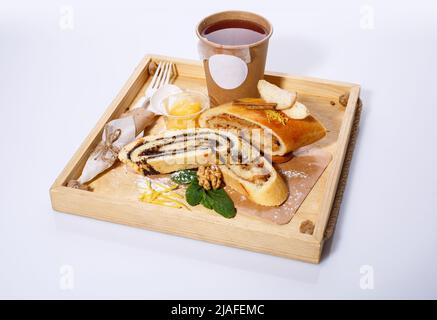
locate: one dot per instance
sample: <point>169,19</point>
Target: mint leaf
<point>194,193</point>
<point>221,203</point>
<point>207,201</point>
<point>217,200</point>
<point>183,176</point>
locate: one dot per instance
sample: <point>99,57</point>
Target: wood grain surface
<point>114,196</point>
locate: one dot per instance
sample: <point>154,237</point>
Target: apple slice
<point>298,111</point>
<point>273,94</point>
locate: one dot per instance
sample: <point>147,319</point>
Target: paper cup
<point>233,71</point>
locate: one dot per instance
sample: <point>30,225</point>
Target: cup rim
<point>205,105</point>
<point>240,46</point>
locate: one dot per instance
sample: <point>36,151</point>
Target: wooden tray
<point>320,96</point>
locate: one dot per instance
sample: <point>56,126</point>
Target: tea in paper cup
<point>233,46</point>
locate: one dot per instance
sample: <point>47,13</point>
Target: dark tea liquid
<point>234,32</point>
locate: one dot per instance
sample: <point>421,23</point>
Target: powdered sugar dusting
<point>293,174</point>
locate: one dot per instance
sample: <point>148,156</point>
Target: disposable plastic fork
<point>161,77</point>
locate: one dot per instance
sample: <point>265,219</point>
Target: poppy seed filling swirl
<point>219,148</point>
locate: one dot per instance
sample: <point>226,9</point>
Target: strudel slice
<point>243,167</point>
<point>286,134</point>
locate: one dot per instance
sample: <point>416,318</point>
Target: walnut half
<point>209,177</point>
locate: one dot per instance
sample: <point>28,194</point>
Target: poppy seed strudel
<point>244,168</point>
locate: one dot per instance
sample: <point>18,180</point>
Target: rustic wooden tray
<point>320,96</point>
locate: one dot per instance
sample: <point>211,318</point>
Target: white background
<point>55,83</point>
